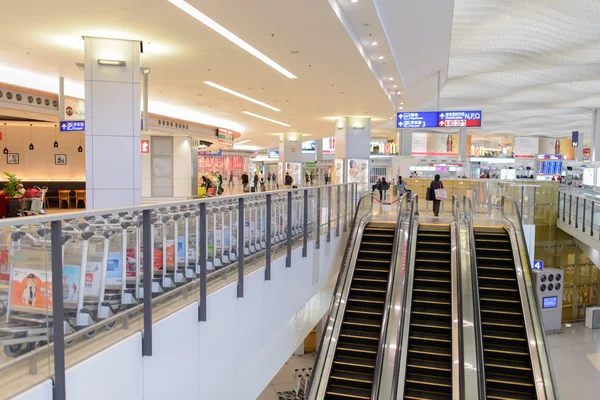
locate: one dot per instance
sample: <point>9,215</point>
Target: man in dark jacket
<point>245,181</point>
<point>288,179</point>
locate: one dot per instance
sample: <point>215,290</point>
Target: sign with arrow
<point>72,126</point>
<point>440,119</point>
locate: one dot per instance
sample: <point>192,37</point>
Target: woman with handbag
<point>433,196</point>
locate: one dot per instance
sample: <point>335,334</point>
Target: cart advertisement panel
<point>31,289</point>
<point>4,267</point>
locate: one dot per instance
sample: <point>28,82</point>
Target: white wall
<point>38,164</point>
<point>234,355</point>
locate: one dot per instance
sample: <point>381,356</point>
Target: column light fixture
<point>5,151</point>
<point>31,147</point>
<point>112,63</point>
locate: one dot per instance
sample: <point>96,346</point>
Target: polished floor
<point>284,380</point>
<point>576,361</point>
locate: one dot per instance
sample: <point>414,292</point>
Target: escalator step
<point>494,268</point>
<point>369,311</point>
<point>504,365</point>
<point>432,324</point>
<point>424,313</point>
<point>424,380</point>
<point>490,310</point>
<point>432,270</point>
<point>361,322</point>
<point>506,395</point>
<point>375,260</point>
<point>434,301</point>
<point>363,299</point>
<point>432,290</point>
<point>372,280</point>
<point>433,351</point>
<point>351,376</point>
<point>509,350</point>
<point>422,395</point>
<point>355,361</point>
<point>358,348</point>
<point>421,364</point>
<point>345,392</point>
<point>364,335</point>
<point>510,380</point>
<point>503,336</point>
<point>430,337</point>
<point>501,323</point>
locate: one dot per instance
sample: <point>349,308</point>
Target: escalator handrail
<point>349,254</point>
<point>388,301</point>
<point>410,266</point>
<point>476,305</point>
<point>458,370</point>
<point>531,297</point>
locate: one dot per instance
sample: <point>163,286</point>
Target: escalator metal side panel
<point>400,369</point>
<point>527,317</point>
<point>457,357</point>
<point>325,355</point>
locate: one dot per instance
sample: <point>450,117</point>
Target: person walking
<point>401,186</point>
<point>435,184</point>
<point>245,180</point>
<point>312,179</point>
<point>274,177</point>
<point>255,182</point>
<point>230,184</point>
<point>289,181</point>
<point>383,188</point>
<point>377,185</point>
<point>269,179</point>
<point>326,176</point>
<point>307,178</point>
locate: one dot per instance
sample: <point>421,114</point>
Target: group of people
<point>309,178</point>
<point>383,185</point>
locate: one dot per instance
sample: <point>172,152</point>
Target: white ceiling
<point>40,42</point>
<point>533,66</point>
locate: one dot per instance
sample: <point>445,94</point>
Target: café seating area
<point>61,194</point>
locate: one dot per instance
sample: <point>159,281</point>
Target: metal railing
<point>108,274</point>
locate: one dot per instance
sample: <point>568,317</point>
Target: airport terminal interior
<point>300,200</point>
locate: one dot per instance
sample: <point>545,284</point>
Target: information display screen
<point>439,119</point>
<point>550,302</point>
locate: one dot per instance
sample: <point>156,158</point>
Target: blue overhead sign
<point>72,126</point>
<point>440,119</point>
<point>539,265</point>
<point>575,139</point>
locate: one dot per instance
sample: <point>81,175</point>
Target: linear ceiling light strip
<point>265,118</point>
<point>242,96</point>
<point>195,13</point>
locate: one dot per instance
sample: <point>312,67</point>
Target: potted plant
<point>13,195</point>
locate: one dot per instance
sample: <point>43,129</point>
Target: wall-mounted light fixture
<point>81,66</point>
<point>55,133</point>
<point>31,147</point>
<point>145,70</point>
<point>5,151</point>
<point>112,63</point>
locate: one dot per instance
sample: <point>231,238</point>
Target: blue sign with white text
<point>575,139</point>
<point>72,126</point>
<point>539,265</point>
<point>440,119</point>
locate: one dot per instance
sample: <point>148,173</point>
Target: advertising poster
<point>131,267</point>
<point>31,289</point>
<point>339,171</point>
<point>114,270</point>
<point>329,145</point>
<point>92,279</point>
<point>358,171</point>
<point>218,239</point>
<point>294,170</point>
<point>4,266</point>
<point>181,249</point>
<point>309,146</point>
<point>170,254</point>
<point>70,283</point>
<point>226,240</point>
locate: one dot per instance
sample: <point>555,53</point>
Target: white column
<point>113,122</point>
<point>353,148</point>
<point>405,142</point>
<point>595,136</point>
<point>319,150</point>
<point>462,144</point>
<point>290,158</point>
<point>579,148</point>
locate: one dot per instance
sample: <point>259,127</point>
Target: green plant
<point>10,187</point>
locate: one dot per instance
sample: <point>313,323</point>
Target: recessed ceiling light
<point>391,79</point>
<point>395,86</point>
<point>265,118</point>
<point>243,141</point>
<point>195,13</point>
<point>242,96</point>
<point>354,1</point>
<point>381,57</point>
<point>401,103</point>
<point>401,108</point>
<point>374,43</point>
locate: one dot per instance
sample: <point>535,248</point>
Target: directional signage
<point>539,265</point>
<point>575,139</point>
<point>72,126</point>
<point>440,119</point>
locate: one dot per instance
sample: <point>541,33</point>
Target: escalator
<point>353,368</point>
<point>506,356</point>
<point>429,356</point>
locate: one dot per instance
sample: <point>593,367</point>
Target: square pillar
<point>113,122</point>
<point>352,150</point>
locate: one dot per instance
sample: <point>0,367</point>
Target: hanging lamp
<point>5,151</point>
<point>55,133</point>
<point>80,149</point>
<point>31,147</point>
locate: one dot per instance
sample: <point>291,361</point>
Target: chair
<point>63,195</point>
<point>80,196</point>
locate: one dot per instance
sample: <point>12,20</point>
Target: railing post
<point>59,390</point>
<point>345,208</point>
<point>288,260</point>
<point>268,241</point>
<point>337,223</point>
<point>202,242</point>
<point>305,226</point>
<point>570,207</point>
<point>522,201</point>
<point>592,221</point>
<point>147,264</point>
<point>576,212</point>
<point>318,227</point>
<point>583,221</point>
<point>241,233</point>
<point>564,205</point>
<point>558,216</point>
<point>329,214</point>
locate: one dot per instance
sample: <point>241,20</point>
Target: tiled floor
<point>576,361</point>
<point>285,377</point>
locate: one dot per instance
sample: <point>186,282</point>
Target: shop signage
<point>72,126</point>
<point>145,146</point>
<point>440,119</point>
<point>575,139</point>
<point>210,153</point>
<point>273,154</point>
<point>310,164</point>
<point>222,135</point>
